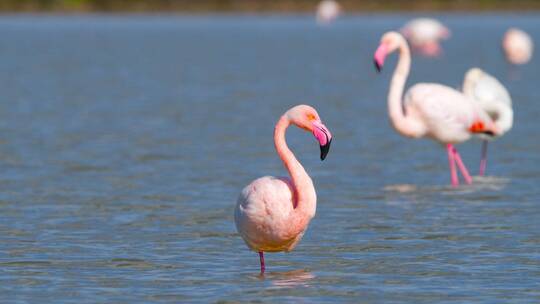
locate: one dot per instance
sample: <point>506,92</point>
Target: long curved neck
<point>305,199</point>
<point>406,126</point>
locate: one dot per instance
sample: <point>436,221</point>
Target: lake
<point>125,141</point>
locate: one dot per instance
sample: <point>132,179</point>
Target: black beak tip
<point>377,66</point>
<point>325,149</point>
<point>490,133</point>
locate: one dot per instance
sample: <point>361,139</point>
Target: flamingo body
<point>263,215</point>
<point>518,46</point>
<point>328,11</point>
<point>444,114</point>
<point>425,34</point>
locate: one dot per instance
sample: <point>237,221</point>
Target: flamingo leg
<point>483,161</point>
<point>462,167</point>
<point>452,163</point>
<point>261,259</point>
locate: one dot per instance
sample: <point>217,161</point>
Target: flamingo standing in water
<point>517,46</point>
<point>424,34</point>
<point>493,98</point>
<point>431,110</point>
<point>272,213</point>
<point>327,11</point>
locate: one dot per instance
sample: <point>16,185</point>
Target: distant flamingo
<point>430,110</point>
<point>424,34</point>
<point>328,11</point>
<point>272,213</point>
<point>493,98</point>
<point>517,46</point>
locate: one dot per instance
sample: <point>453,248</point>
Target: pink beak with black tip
<point>380,56</point>
<point>323,136</point>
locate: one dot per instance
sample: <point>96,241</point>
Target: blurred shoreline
<point>257,6</point>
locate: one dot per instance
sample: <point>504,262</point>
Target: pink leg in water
<point>462,167</point>
<point>452,163</point>
<point>261,259</point>
<point>483,161</point>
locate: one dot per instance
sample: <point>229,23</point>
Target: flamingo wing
<point>263,214</point>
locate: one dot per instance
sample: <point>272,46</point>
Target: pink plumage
<point>425,34</point>
<point>517,46</point>
<point>328,11</point>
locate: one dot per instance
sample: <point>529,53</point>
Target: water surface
<point>124,142</point>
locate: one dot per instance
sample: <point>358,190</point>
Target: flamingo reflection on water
<point>429,109</point>
<point>273,213</point>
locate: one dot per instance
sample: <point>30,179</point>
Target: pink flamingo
<point>493,98</point>
<point>517,46</point>
<point>431,110</point>
<point>272,213</point>
<point>328,11</point>
<point>424,34</point>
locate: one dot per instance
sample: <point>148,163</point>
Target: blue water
<point>125,140</point>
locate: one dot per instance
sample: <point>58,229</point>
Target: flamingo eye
<point>311,117</point>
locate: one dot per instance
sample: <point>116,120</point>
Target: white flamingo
<point>328,11</point>
<point>493,98</point>
<point>425,34</point>
<point>517,46</point>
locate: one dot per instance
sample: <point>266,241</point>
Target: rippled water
<point>124,142</point>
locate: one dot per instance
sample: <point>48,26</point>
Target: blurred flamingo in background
<point>272,213</point>
<point>328,11</point>
<point>517,46</point>
<point>494,99</point>
<point>424,35</point>
<point>431,110</point>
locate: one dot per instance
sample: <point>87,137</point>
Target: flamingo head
<point>307,118</point>
<point>390,42</point>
